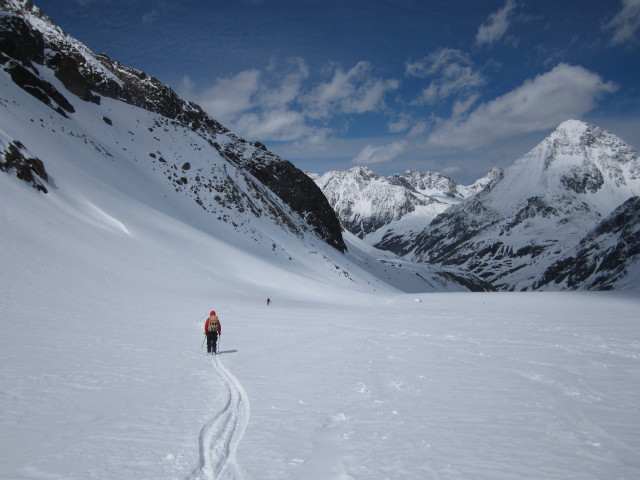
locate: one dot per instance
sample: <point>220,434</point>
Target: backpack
<point>213,324</point>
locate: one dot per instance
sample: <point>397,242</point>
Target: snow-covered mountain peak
<point>580,142</point>
<point>362,170</point>
<point>428,183</point>
<point>578,162</point>
<point>535,210</point>
<point>373,207</point>
<point>357,176</point>
<point>573,128</point>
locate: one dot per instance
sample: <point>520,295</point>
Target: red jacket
<point>206,325</point>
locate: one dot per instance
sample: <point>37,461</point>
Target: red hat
<point>212,313</point>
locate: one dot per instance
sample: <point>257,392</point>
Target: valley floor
<point>453,386</point>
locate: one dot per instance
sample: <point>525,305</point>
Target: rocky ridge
<point>32,46</point>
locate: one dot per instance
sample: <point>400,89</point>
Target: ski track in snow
<point>221,436</point>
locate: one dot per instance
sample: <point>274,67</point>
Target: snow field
<point>221,436</point>
<point>103,374</point>
<point>458,386</point>
<point>107,279</point>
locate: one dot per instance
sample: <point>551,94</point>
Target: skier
<point>212,329</point>
<point>268,302</point>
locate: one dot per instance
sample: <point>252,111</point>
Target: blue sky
<point>453,86</point>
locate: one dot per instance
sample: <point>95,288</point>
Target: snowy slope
<point>223,174</point>
<point>103,375</point>
<point>327,382</point>
<point>105,282</point>
<point>536,212</point>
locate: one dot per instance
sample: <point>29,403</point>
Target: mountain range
<point>373,207</point>
<point>74,122</point>
<point>127,214</point>
<point>561,217</point>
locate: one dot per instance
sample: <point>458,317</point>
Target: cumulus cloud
<point>283,85</point>
<point>229,96</point>
<point>279,125</point>
<point>547,100</point>
<point>452,72</point>
<point>496,25</point>
<point>353,91</point>
<point>381,154</point>
<point>626,22</point>
<point>276,103</point>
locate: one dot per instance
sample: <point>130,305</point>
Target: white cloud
<point>401,124</point>
<point>381,154</point>
<point>185,90</point>
<point>407,123</point>
<point>496,26</point>
<point>353,91</point>
<point>541,103</point>
<point>278,125</point>
<point>246,104</point>
<point>437,61</point>
<point>626,22</point>
<point>369,96</point>
<point>287,87</point>
<point>418,129</point>
<point>276,103</point>
<point>460,107</point>
<point>453,73</point>
<point>229,96</point>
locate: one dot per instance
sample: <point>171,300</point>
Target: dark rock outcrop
<point>29,169</point>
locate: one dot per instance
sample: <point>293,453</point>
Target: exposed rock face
<point>31,43</point>
<point>603,256</point>
<point>298,191</point>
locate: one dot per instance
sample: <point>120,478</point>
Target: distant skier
<point>268,302</point>
<point>212,329</point>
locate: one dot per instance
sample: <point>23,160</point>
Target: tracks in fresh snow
<point>220,437</point>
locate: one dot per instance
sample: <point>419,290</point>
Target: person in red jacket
<point>212,329</point>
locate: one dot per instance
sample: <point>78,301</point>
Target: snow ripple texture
<point>221,436</point>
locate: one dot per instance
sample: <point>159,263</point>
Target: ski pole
<point>205,337</point>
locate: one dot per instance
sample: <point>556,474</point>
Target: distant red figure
<point>212,329</point>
